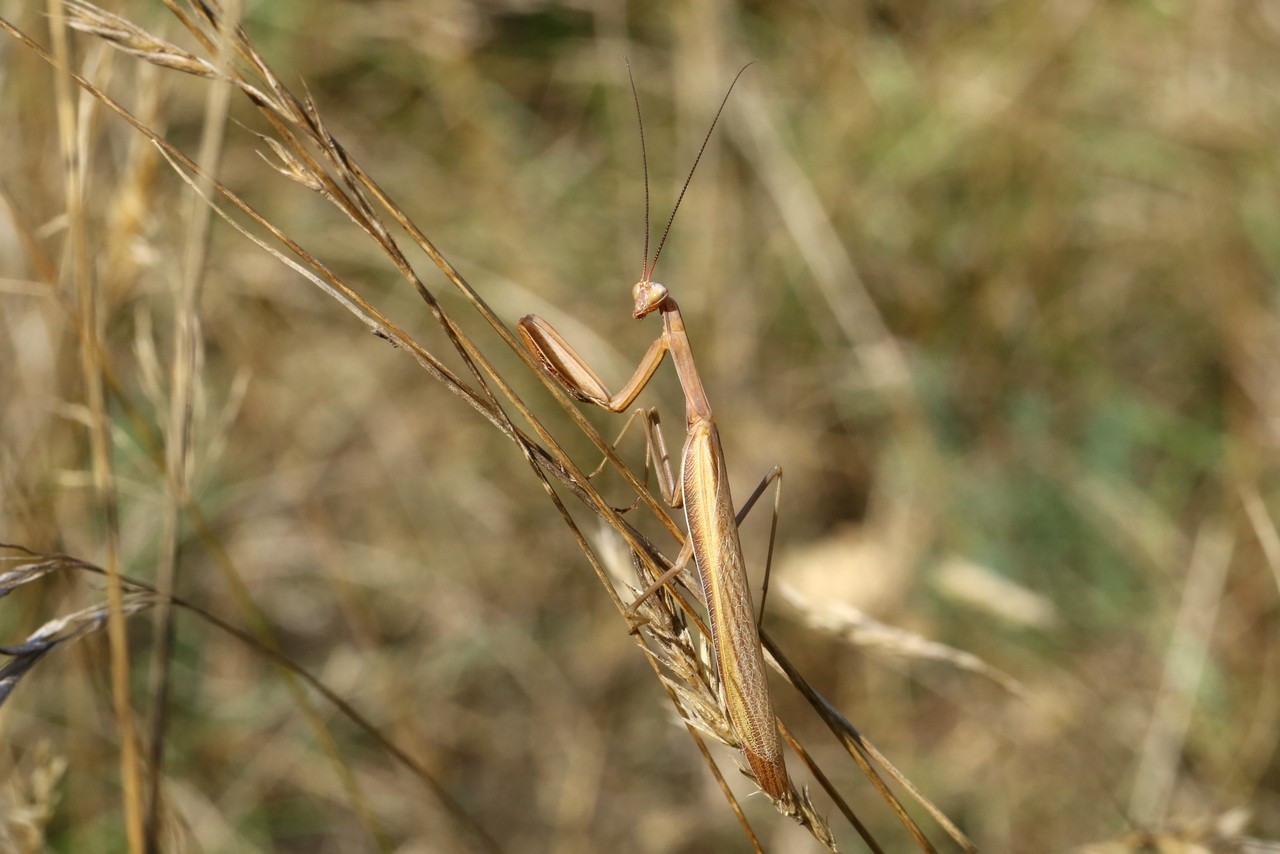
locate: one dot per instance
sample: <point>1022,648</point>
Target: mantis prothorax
<point>703,491</point>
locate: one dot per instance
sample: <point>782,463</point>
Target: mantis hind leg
<point>775,474</point>
<point>680,562</point>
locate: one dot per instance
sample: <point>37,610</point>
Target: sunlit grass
<point>993,283</point>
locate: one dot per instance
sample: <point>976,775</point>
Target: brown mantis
<point>703,491</point>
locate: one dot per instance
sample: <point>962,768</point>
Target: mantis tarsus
<point>703,491</point>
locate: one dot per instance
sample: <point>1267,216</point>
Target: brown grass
<point>992,284</point>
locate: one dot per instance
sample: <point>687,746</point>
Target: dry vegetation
<point>995,283</point>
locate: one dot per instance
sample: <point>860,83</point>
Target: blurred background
<point>994,282</point>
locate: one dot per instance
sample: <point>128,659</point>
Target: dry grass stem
<point>995,283</point>
<point>855,627</point>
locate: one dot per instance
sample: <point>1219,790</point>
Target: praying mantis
<point>703,491</point>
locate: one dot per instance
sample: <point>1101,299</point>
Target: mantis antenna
<point>648,267</point>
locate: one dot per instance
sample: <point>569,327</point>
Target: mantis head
<point>648,296</point>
